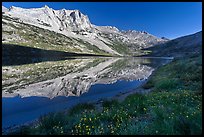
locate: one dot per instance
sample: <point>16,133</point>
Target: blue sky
<point>168,19</point>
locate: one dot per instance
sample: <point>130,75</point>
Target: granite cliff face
<point>68,31</point>
<point>70,20</point>
<point>74,25</point>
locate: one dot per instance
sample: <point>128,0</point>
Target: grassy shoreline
<point>174,106</point>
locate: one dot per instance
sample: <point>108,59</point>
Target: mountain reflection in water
<point>73,77</point>
<point>39,88</point>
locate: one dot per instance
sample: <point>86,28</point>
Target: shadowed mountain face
<point>18,55</point>
<point>179,47</point>
<point>72,77</point>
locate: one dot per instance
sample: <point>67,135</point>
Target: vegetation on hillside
<point>173,107</point>
<point>35,37</point>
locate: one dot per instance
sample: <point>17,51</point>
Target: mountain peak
<point>74,23</point>
<point>46,7</point>
<point>164,38</point>
<point>145,32</point>
<point>12,7</point>
<point>135,32</point>
<point>4,9</point>
<point>72,20</point>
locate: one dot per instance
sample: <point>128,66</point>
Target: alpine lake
<point>32,87</point>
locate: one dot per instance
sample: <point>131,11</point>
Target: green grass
<point>184,73</point>
<point>174,107</point>
<point>119,47</point>
<point>80,108</point>
<point>110,103</point>
<point>35,37</point>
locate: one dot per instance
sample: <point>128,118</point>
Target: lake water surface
<point>34,89</point>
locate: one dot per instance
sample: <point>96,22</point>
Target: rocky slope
<point>70,30</point>
<point>179,47</point>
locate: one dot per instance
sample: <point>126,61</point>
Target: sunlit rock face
<point>19,22</point>
<point>78,76</point>
<point>57,19</point>
<point>4,9</point>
